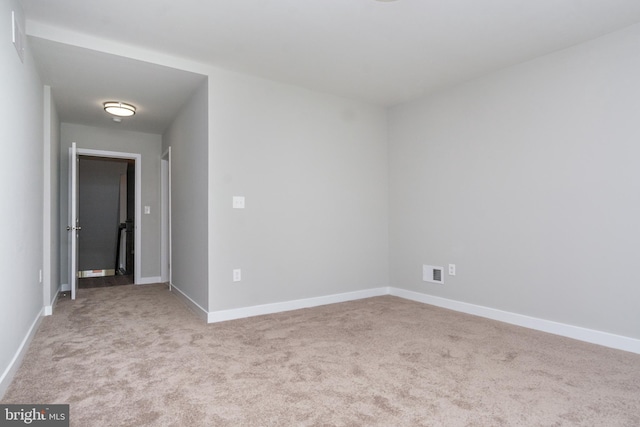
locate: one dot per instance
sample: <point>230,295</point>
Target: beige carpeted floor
<point>134,356</point>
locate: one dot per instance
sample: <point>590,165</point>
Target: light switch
<point>147,210</point>
<point>238,202</point>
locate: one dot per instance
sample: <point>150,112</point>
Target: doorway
<point>106,208</point>
<point>75,224</point>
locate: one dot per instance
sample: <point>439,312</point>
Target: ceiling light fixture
<point>119,109</point>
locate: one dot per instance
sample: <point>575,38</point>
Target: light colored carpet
<point>134,355</point>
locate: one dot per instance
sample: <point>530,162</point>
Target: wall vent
<point>433,274</point>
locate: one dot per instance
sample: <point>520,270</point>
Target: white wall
<point>51,213</point>
<point>21,190</point>
<point>528,179</point>
<point>313,171</point>
<point>149,146</point>
<point>317,182</point>
<point>188,138</point>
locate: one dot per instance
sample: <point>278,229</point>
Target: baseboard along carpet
<point>135,355</point>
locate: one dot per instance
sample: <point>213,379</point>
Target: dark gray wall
<point>99,212</point>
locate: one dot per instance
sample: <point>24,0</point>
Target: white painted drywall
<point>149,146</point>
<point>313,171</point>
<point>51,212</point>
<point>188,138</point>
<point>529,181</point>
<point>313,168</point>
<point>21,191</point>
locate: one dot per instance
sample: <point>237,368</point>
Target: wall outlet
<point>452,269</point>
<point>237,275</point>
<point>238,202</point>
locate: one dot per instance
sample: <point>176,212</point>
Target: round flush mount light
<point>119,109</point>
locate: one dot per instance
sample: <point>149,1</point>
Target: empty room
<point>322,212</point>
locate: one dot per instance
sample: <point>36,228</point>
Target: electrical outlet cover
<point>238,202</point>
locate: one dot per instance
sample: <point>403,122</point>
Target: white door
<point>73,226</point>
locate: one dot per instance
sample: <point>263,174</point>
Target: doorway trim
<point>137,235</point>
<point>165,196</point>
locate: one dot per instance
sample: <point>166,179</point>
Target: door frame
<point>137,235</point>
<point>165,197</point>
<point>72,225</point>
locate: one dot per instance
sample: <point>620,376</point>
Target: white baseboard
<point>149,280</point>
<point>258,310</point>
<point>10,371</point>
<point>576,332</point>
<point>48,309</point>
<point>194,306</point>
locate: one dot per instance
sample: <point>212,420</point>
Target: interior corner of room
<point>523,177</point>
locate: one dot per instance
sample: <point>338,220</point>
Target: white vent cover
<point>433,274</point>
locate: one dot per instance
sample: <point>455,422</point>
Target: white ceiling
<point>381,52</point>
<point>82,80</point>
